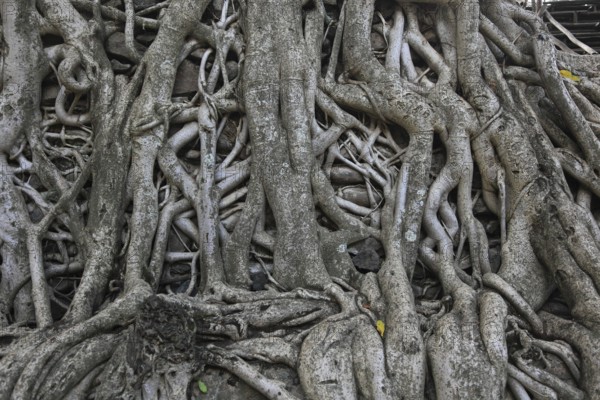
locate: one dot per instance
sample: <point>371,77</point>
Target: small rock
<point>35,214</point>
<point>180,287</point>
<point>227,138</point>
<point>479,207</point>
<point>367,260</point>
<point>232,68</point>
<point>49,93</point>
<point>492,227</point>
<point>359,195</point>
<point>258,275</point>
<point>179,243</point>
<point>364,245</point>
<point>343,175</point>
<point>146,38</point>
<point>495,258</point>
<point>115,45</point>
<point>438,161</point>
<point>377,42</point>
<point>186,80</point>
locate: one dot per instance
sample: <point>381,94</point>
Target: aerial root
<point>270,388</point>
<point>23,381</point>
<point>515,299</point>
<point>531,384</point>
<point>587,344</point>
<point>72,366</point>
<point>562,389</point>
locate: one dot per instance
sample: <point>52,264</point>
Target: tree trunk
<point>292,199</point>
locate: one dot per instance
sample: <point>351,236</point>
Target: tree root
<point>124,174</point>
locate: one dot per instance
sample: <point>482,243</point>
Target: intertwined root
<point>469,351</point>
<point>131,180</point>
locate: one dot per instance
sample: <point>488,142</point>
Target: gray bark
<point>296,199</point>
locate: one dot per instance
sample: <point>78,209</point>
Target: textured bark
<point>288,199</point>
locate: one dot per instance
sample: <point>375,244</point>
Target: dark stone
<point>377,42</point>
<point>180,287</point>
<point>186,80</point>
<point>227,138</point>
<point>115,46</point>
<point>359,195</point>
<point>492,228</point>
<point>232,69</point>
<point>146,38</point>
<point>495,258</point>
<point>363,245</point>
<point>179,243</point>
<point>479,207</point>
<point>367,260</point>
<point>36,214</point>
<point>438,160</point>
<point>343,175</point>
<point>258,276</point>
<point>49,93</point>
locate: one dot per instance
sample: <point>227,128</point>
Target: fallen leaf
<point>202,387</point>
<point>567,74</point>
<point>380,327</point>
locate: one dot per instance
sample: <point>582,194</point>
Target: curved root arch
<point>326,200</point>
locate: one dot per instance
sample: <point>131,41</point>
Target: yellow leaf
<point>380,327</point>
<point>567,74</point>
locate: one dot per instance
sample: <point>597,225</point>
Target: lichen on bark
<point>291,199</point>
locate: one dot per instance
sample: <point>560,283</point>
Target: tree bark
<point>296,199</point>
